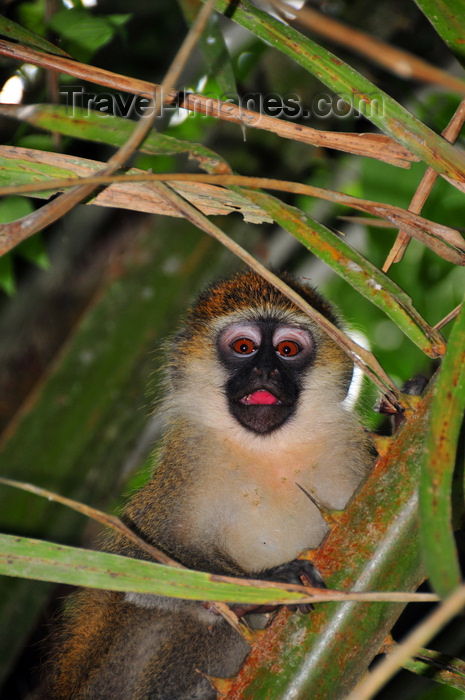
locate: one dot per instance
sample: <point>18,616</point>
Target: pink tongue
<point>262,397</point>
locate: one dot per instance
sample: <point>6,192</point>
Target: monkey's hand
<point>297,571</point>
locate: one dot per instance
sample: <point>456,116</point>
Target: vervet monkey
<point>256,438</point>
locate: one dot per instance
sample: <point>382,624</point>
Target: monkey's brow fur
<point>248,290</point>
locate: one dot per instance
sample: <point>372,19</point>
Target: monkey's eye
<point>287,348</point>
<point>244,346</point>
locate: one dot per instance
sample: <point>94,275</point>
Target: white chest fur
<point>261,523</point>
<point>258,512</point>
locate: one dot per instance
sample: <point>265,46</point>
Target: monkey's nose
<point>266,373</point>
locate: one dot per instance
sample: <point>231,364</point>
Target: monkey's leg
<point>145,648</point>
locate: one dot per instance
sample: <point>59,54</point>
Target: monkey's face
<point>247,363</point>
<point>265,361</point>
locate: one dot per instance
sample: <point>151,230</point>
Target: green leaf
<point>448,18</point>
<point>104,128</point>
<point>7,276</point>
<point>12,30</point>
<point>439,550</point>
<point>33,249</point>
<point>14,207</point>
<point>86,31</point>
<point>46,561</point>
<point>17,171</point>
<point>32,16</point>
<point>439,667</point>
<point>36,141</point>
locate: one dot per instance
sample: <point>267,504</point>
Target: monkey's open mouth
<point>261,398</point>
<point>261,411</point>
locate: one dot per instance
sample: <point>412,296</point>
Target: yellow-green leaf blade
<point>439,667</point>
<point>46,561</point>
<point>25,36</point>
<point>439,551</point>
<point>97,126</point>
